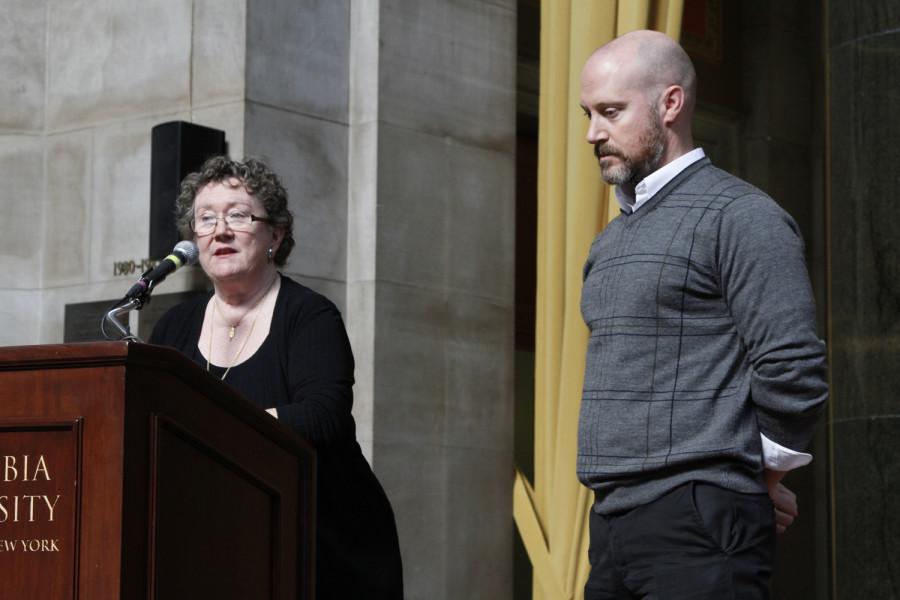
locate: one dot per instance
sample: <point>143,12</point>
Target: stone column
<point>430,279</point>
<point>863,54</point>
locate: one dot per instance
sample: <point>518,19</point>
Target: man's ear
<point>672,103</point>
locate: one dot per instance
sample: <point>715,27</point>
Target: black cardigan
<point>304,368</point>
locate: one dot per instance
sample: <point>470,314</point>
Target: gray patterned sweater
<point>702,336</point>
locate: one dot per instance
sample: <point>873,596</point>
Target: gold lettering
<point>41,467</point>
<point>3,509</point>
<point>10,465</point>
<point>30,507</point>
<point>32,545</point>
<point>50,507</point>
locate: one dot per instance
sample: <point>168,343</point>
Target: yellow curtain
<point>573,205</point>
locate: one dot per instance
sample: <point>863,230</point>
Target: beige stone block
<point>66,246</point>
<point>479,525</point>
<point>298,55</point>
<point>219,43</point>
<point>450,502</point>
<point>228,118</point>
<point>20,314</point>
<point>479,374</point>
<point>413,479</point>
<point>443,368</point>
<point>310,155</point>
<point>115,59</point>
<point>120,207</point>
<point>446,214</point>
<point>22,173</point>
<point>23,25</point>
<point>449,68</point>
<point>411,388</point>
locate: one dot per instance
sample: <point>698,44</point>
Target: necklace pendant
<point>230,333</point>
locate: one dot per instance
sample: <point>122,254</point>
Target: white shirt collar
<point>655,181</point>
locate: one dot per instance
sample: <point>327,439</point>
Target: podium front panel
<point>40,483</point>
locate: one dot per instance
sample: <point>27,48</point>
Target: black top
<point>304,368</point>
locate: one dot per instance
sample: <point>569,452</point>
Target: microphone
<point>184,253</point>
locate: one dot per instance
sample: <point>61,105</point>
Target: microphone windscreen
<point>189,251</point>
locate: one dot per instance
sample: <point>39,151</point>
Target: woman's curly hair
<point>260,182</point>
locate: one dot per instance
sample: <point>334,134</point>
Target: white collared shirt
<point>652,183</point>
<point>775,456</point>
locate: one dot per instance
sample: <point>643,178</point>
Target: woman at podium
<point>284,347</point>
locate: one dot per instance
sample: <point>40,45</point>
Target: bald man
<point>704,375</point>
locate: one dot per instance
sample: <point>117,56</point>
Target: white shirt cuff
<point>274,412</point>
<point>778,458</point>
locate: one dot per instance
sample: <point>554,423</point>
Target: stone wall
<point>863,50</point>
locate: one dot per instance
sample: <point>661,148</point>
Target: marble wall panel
<point>479,376</point>
<point>411,366</point>
<point>228,117</point>
<point>20,317</point>
<point>479,525</point>
<point>298,56</point>
<point>865,296</point>
<point>114,59</point>
<point>865,246</point>
<point>22,198</point>
<point>448,68</point>
<point>218,51</point>
<point>69,187</point>
<point>851,20</point>
<point>414,479</point>
<point>481,223</point>
<point>23,57</point>
<point>867,489</point>
<point>310,155</point>
<point>446,215</point>
<point>120,209</point>
<point>452,507</point>
<point>443,393</point>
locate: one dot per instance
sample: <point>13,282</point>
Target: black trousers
<point>699,541</point>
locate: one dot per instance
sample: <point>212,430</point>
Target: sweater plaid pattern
<point>702,336</point>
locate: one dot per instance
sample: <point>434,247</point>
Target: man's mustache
<point>606,150</point>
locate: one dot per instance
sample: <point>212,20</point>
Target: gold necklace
<point>231,332</point>
<point>232,328</point>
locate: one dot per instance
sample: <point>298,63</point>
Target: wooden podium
<point>126,471</point>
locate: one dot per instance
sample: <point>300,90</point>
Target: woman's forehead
<point>225,193</point>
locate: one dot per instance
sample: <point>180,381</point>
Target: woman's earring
<point>269,254</point>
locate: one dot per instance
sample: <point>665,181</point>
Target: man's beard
<point>635,168</point>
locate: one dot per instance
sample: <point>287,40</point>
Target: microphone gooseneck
<point>184,253</point>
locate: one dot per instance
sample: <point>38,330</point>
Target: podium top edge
<point>86,354</point>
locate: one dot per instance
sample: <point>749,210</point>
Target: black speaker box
<point>177,148</point>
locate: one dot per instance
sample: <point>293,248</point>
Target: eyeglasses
<point>236,220</point>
